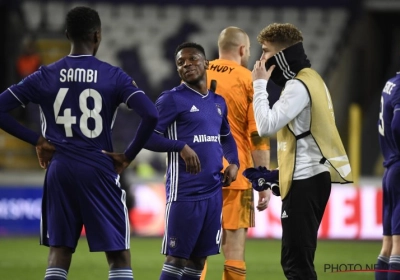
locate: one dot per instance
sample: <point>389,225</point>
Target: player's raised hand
<point>191,159</point>
<point>120,161</point>
<point>44,151</point>
<point>260,72</point>
<point>230,174</point>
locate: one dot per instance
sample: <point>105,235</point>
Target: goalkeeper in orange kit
<point>234,83</point>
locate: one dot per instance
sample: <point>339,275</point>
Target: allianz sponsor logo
<point>20,209</point>
<point>206,138</point>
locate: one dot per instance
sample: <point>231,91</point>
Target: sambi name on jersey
<point>388,87</point>
<point>206,138</point>
<point>78,75</point>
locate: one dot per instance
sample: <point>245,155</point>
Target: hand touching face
<point>259,71</point>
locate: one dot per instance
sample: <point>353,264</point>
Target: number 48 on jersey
<point>68,120</point>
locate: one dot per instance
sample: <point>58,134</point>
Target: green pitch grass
<point>24,259</point>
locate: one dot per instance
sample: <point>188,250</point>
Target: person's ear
<point>206,63</point>
<point>242,50</point>
<point>96,36</point>
<point>66,34</point>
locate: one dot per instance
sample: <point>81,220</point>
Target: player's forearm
<point>259,143</point>
<point>260,149</point>
<point>143,134</point>
<point>149,115</point>
<point>229,149</point>
<point>158,143</point>
<point>9,124</point>
<point>261,158</point>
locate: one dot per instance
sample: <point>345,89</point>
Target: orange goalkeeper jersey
<point>234,83</point>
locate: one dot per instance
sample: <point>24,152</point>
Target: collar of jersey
<point>202,96</point>
<point>79,55</point>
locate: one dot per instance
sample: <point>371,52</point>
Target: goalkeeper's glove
<point>262,179</point>
<point>274,186</point>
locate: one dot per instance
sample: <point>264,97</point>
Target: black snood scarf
<point>288,63</point>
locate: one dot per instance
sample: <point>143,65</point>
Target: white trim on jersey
<point>173,180</point>
<point>133,93</point>
<point>222,135</point>
<point>173,165</point>
<point>22,104</point>
<point>43,122</point>
<point>202,95</point>
<point>81,55</point>
<point>114,117</point>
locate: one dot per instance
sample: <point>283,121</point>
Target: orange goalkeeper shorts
<point>238,209</point>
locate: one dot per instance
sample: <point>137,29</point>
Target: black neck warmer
<point>288,63</point>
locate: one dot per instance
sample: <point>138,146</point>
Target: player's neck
<point>229,56</point>
<point>198,87</point>
<point>81,49</point>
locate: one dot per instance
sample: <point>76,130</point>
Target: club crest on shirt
<point>172,242</point>
<point>218,109</point>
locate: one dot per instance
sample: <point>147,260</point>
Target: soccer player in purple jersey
<point>389,139</point>
<point>194,130</point>
<point>78,98</point>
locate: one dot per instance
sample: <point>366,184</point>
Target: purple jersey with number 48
<point>78,98</point>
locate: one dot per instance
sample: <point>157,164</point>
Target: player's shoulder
<point>395,79</point>
<point>218,97</point>
<point>106,64</point>
<point>112,69</point>
<point>392,86</point>
<point>176,90</point>
<point>54,66</point>
<point>171,93</point>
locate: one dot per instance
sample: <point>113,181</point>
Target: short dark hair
<point>81,22</point>
<point>190,45</point>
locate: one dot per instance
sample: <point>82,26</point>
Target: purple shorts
<point>76,195</point>
<point>193,228</point>
<point>391,200</point>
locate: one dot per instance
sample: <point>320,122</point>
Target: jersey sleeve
<point>127,87</point>
<point>225,127</point>
<point>29,89</point>
<point>251,122</point>
<point>256,142</point>
<point>167,112</point>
